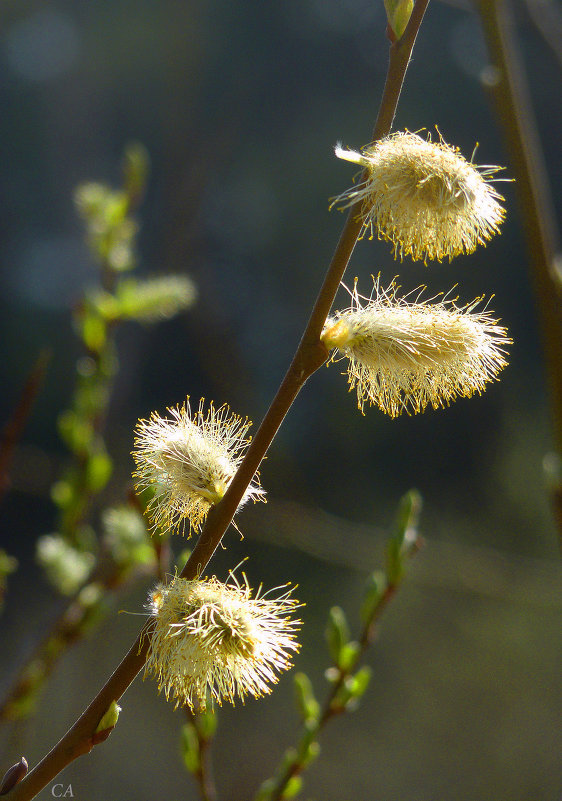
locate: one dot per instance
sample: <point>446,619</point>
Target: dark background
<point>240,105</point>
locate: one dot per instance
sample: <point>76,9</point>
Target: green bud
<point>189,745</point>
<point>360,681</point>
<point>109,720</point>
<point>337,632</point>
<point>398,13</point>
<point>293,787</point>
<point>348,655</point>
<point>307,704</point>
<point>207,722</point>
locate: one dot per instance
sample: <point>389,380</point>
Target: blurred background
<point>239,106</point>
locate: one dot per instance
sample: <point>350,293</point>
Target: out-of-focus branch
<point>507,82</point>
<point>13,429</point>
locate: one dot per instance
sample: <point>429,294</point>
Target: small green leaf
<point>337,632</point>
<point>404,533</point>
<point>306,702</point>
<point>294,786</point>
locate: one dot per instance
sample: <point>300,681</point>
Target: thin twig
<point>332,705</point>
<point>310,355</point>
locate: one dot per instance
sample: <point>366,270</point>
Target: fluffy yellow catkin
<point>188,462</point>
<point>211,640</point>
<point>404,356</point>
<point>423,197</point>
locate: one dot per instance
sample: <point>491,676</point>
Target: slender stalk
<point>310,355</point>
<point>513,101</point>
<point>332,705</point>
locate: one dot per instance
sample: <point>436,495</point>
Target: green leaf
<point>404,533</point>
<point>306,702</point>
<point>337,632</point>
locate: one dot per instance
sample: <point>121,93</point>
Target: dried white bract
<point>213,640</point>
<point>404,356</point>
<point>189,463</point>
<point>423,196</point>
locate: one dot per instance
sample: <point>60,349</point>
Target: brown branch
<point>310,355</point>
